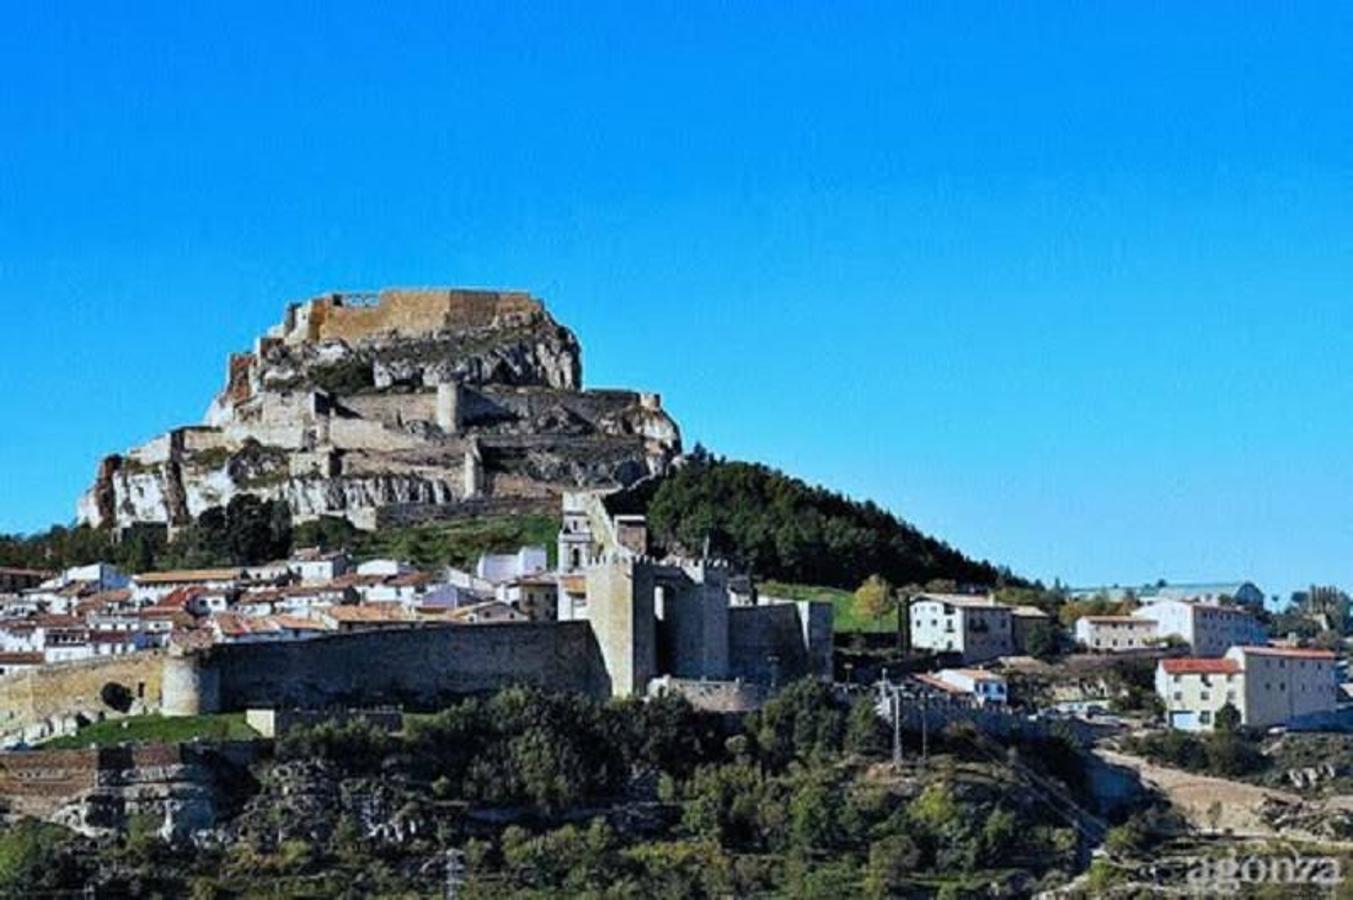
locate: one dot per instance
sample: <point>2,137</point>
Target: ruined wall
<point>415,666</point>
<point>34,698</point>
<point>96,790</point>
<point>414,312</point>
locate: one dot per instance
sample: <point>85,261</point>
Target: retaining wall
<point>419,667</point>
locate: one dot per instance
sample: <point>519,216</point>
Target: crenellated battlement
<point>404,312</point>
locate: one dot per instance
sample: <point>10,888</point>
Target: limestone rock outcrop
<point>406,405</point>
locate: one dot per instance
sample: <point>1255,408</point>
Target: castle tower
<point>448,406</point>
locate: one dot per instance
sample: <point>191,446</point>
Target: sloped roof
<point>189,576</point>
<point>1289,652</point>
<point>1189,665</point>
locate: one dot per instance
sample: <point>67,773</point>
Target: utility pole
<point>925,726</point>
<point>894,697</point>
<point>897,728</point>
<point>455,871</point>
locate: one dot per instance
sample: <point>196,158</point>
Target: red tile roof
<point>1194,666</point>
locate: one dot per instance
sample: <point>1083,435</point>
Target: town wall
<point>415,666</point>
<point>769,644</point>
<point>33,702</point>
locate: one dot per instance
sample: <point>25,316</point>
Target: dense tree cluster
<point>552,795</point>
<point>1226,752</point>
<point>247,531</point>
<point>787,530</point>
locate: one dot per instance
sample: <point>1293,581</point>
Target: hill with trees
<point>785,529</point>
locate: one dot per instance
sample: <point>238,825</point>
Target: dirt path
<point>1209,804</point>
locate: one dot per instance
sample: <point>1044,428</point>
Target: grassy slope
<point>156,729</point>
<point>848,617</point>
<point>460,543</point>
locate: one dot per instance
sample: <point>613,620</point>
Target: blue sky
<point>1065,284</point>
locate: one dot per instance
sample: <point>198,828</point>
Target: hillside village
<point>459,406</point>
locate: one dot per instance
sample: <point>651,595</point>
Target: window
<point>1179,695</point>
<point>1205,717</point>
<point>1205,696</point>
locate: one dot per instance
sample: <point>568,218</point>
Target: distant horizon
<point>1068,291</point>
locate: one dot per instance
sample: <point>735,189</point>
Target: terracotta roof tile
<point>1188,665</point>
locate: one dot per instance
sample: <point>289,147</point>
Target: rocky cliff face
<point>407,404</point>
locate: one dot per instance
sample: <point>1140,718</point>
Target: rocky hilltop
<point>397,406</point>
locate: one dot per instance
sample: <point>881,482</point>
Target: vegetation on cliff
<point>787,530</point>
<point>551,795</point>
<point>250,531</point>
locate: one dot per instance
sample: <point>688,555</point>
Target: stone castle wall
<point>770,644</point>
<point>34,701</point>
<point>414,666</point>
<point>410,312</point>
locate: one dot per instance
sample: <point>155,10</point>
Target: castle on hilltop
<point>401,406</point>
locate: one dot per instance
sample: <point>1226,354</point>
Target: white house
<point>1210,630</point>
<point>535,595</point>
<point>986,688</point>
<point>1115,634</point>
<point>314,566</point>
<point>487,612</point>
<point>498,568</point>
<point>412,589</point>
<point>386,568</point>
<point>1266,685</point>
<point>976,627</point>
<point>150,587</point>
<point>103,577</point>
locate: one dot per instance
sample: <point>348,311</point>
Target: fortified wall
<point>775,643</point>
<point>36,703</point>
<point>356,317</point>
<point>414,666</point>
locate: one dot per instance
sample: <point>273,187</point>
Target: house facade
<point>1266,685</point>
<point>985,688</point>
<point>1208,629</point>
<point>976,627</point>
<point>1115,634</point>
